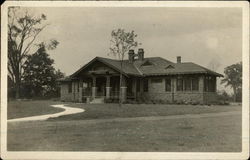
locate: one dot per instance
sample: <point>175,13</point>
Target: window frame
<point>177,84</point>
<point>209,84</point>
<point>145,85</point>
<point>186,84</point>
<point>156,80</point>
<point>70,87</point>
<point>138,85</point>
<point>187,87</point>
<point>168,85</point>
<point>192,83</point>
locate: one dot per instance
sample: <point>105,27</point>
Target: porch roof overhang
<point>100,71</point>
<point>184,73</point>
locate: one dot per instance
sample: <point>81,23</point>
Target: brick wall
<point>188,97</point>
<point>210,97</point>
<point>156,91</point>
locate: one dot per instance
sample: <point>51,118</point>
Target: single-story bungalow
<point>152,78</point>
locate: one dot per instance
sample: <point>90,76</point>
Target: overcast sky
<point>210,37</point>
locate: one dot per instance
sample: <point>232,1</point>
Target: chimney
<point>140,54</point>
<point>178,59</point>
<point>131,55</point>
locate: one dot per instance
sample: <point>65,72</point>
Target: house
<point>152,78</point>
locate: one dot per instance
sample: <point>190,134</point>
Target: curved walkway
<point>67,111</point>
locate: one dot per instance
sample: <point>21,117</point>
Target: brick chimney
<point>131,55</point>
<point>178,59</point>
<point>140,54</point>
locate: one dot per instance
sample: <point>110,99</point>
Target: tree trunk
<point>17,96</point>
<point>120,93</point>
<point>18,82</point>
<point>234,90</point>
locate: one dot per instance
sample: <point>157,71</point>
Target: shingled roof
<point>154,66</point>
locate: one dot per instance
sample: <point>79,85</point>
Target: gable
<point>99,68</point>
<point>95,67</point>
<point>169,67</point>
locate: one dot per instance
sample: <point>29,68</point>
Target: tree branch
<point>24,53</point>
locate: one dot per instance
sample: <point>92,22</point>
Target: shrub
<point>108,100</point>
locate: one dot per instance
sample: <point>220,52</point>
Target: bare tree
<point>23,29</point>
<point>121,43</point>
<point>214,64</point>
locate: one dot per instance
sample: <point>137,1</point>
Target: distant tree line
<point>30,73</point>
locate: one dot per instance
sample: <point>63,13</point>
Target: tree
<point>233,78</point>
<point>39,75</point>
<point>121,43</point>
<point>23,29</point>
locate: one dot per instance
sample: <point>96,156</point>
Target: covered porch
<point>103,85</point>
<point>99,79</point>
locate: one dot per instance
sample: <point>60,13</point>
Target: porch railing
<point>87,92</point>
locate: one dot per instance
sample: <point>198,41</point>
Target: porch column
<point>201,88</point>
<point>80,90</point>
<point>73,91</point>
<point>108,88</point>
<point>134,87</point>
<point>173,88</point>
<point>94,87</point>
<point>201,84</point>
<point>123,90</point>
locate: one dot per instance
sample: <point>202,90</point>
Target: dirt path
<point>67,111</point>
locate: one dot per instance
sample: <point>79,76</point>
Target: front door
<point>101,86</point>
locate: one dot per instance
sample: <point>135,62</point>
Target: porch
<point>103,86</point>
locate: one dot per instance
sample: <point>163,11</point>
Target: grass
<point>20,109</point>
<point>217,134</point>
<point>101,111</point>
<point>74,133</point>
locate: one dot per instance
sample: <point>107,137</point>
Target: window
<point>145,85</point>
<point>138,86</point>
<point>156,80</point>
<point>187,84</point>
<point>209,84</point>
<point>179,84</point>
<point>195,84</point>
<point>70,87</point>
<point>78,85</point>
<point>167,84</point>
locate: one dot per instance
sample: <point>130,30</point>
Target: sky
<point>211,37</point>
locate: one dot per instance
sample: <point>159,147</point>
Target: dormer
<point>169,67</point>
<point>147,63</point>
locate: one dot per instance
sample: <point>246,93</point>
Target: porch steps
<point>97,101</point>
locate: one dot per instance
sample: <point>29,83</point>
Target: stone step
<point>97,101</point>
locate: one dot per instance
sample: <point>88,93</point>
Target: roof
<point>152,66</point>
<point>65,79</point>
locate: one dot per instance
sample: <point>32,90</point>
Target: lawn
<point>214,134</point>
<point>75,133</point>
<point>101,111</point>
<point>20,109</point>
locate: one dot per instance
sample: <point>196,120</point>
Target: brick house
<point>152,78</point>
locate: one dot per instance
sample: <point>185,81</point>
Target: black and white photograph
<point>119,80</point>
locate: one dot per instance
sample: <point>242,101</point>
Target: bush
<point>223,98</point>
